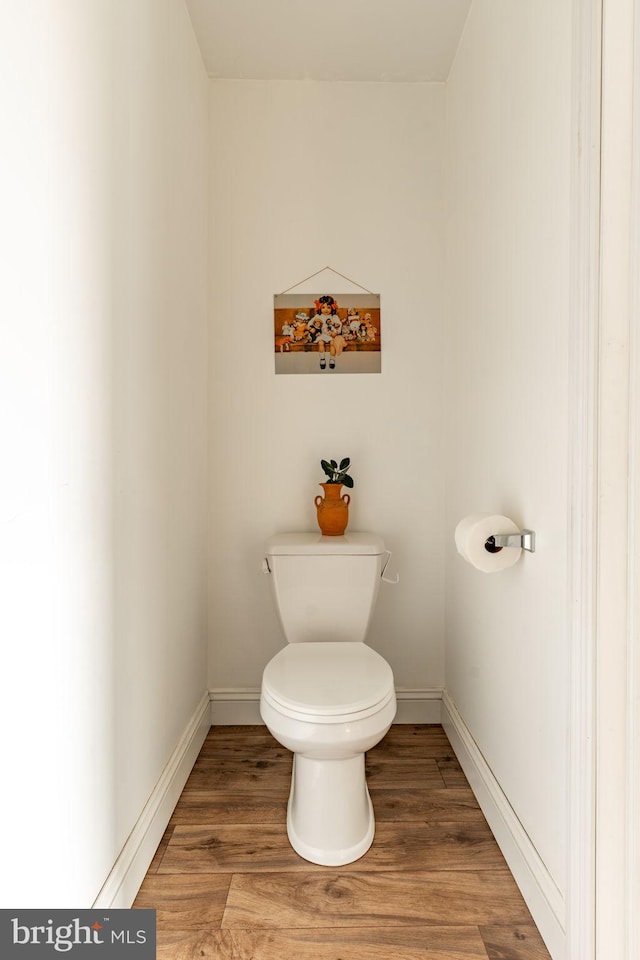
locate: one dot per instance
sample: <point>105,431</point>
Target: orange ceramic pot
<point>333,510</point>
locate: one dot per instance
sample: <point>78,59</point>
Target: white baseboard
<point>542,896</point>
<point>128,872</point>
<point>239,705</point>
<point>242,706</point>
<point>419,706</point>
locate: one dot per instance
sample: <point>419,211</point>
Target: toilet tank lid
<point>314,544</point>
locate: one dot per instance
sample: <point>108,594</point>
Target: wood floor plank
<point>160,852</point>
<point>401,741</point>
<point>224,735</point>
<point>521,942</point>
<point>237,730</point>
<point>432,846</point>
<point>408,774</point>
<point>245,776</point>
<point>185,902</point>
<point>397,846</point>
<point>228,848</point>
<point>417,942</point>
<point>332,900</point>
<point>257,744</point>
<point>240,775</point>
<point>215,806</point>
<point>411,749</point>
<point>448,805</point>
<point>451,772</point>
<point>423,729</point>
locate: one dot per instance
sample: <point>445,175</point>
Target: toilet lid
<point>328,679</point>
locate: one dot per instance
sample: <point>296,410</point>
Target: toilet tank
<point>325,587</point>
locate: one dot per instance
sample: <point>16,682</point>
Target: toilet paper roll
<point>473,532</point>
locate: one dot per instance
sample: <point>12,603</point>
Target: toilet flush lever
<point>382,576</point>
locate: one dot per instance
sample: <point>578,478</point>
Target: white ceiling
<point>397,40</point>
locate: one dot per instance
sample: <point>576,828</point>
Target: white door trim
<point>604,827</point>
<point>583,477</point>
<point>632,883</point>
<point>615,537</point>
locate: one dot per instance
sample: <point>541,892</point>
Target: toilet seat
<point>328,682</point>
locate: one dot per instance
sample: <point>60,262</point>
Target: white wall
<point>103,565</point>
<point>159,158</point>
<point>303,175</point>
<point>508,163</point>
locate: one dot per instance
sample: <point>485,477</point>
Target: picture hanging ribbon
<point>317,273</point>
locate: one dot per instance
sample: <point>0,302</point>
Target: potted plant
<point>333,508</point>
<point>337,474</point>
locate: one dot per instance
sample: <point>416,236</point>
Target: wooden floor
<point>434,886</point>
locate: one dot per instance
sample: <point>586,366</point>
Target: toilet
<point>326,696</point>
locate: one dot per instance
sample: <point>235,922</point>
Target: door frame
<point>604,564</point>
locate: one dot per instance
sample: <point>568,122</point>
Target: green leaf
<point>328,469</point>
<point>347,480</point>
<point>334,464</point>
<point>344,464</point>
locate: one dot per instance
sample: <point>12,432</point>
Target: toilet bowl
<point>328,703</point>
<point>327,700</point>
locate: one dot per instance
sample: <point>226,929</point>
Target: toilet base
<point>330,816</point>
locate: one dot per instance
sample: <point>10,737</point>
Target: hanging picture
<point>327,333</point>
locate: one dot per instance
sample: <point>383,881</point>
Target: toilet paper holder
<point>526,540</point>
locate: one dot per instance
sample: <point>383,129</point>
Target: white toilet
<point>327,696</point>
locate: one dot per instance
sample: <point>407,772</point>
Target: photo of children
<point>327,332</point>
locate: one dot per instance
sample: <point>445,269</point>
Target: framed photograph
<point>327,333</point>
